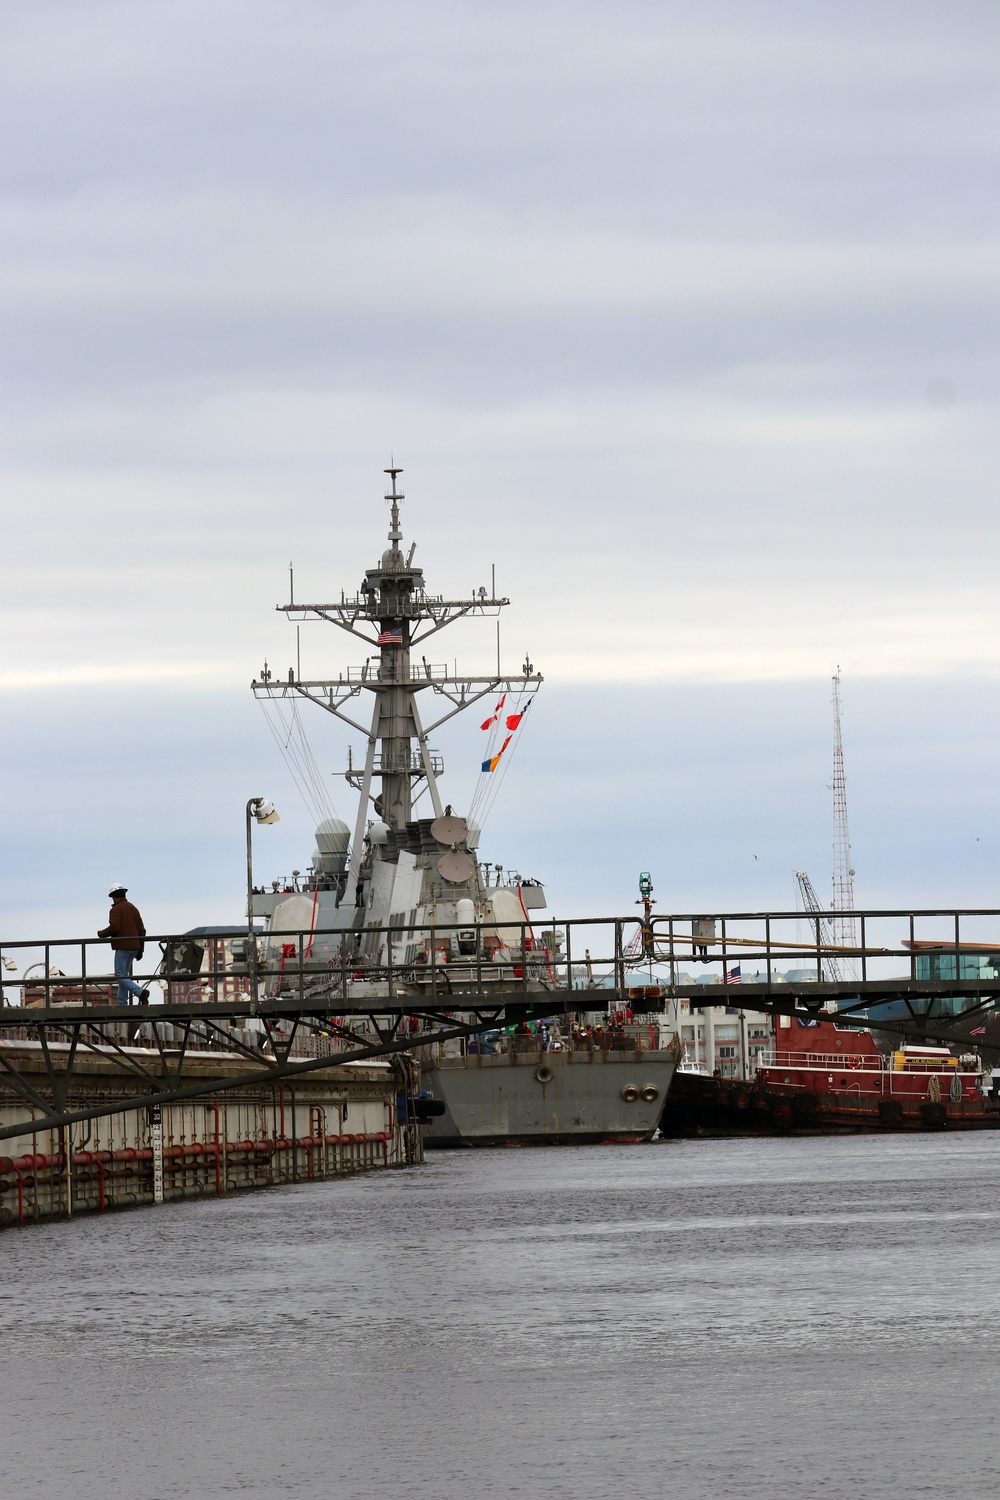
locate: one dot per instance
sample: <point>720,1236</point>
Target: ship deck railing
<point>823,1061</point>
<point>547,1043</point>
<point>827,1062</point>
<point>424,672</point>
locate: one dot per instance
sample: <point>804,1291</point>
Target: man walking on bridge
<point>127,936</point>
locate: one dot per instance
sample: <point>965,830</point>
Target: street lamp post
<point>259,810</point>
<point>11,968</point>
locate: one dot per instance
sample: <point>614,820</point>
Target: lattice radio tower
<point>843,870</point>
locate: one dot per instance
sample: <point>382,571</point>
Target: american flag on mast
<point>733,975</point>
<point>393,637</point>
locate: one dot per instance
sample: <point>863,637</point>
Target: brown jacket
<point>124,927</point>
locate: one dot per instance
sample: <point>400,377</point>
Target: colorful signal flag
<point>513,720</point>
<point>494,716</point>
<point>494,760</point>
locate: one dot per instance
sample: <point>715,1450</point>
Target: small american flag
<point>393,637</point>
<point>733,975</point>
<point>978,1031</point>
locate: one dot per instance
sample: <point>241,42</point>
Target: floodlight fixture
<point>264,811</point>
<point>260,810</point>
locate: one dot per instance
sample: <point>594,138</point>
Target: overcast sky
<point>683,315</point>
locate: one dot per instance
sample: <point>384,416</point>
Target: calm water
<point>720,1319</point>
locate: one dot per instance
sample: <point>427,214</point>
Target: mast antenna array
<point>392,615</point>
<point>393,498</point>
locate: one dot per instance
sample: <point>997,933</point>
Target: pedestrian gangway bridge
<point>289,1003</point>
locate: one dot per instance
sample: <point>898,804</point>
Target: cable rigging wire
<point>488,787</point>
<point>291,740</point>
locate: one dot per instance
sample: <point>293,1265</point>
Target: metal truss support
<point>172,1086</point>
<point>362,996</point>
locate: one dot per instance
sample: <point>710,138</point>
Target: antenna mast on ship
<point>393,613</point>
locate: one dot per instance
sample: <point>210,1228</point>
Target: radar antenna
<point>393,498</point>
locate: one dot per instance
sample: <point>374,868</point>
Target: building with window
<point>725,1039</point>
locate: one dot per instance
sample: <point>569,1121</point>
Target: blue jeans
<point>123,973</point>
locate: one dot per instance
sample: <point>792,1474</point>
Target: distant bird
<point>756,856</point>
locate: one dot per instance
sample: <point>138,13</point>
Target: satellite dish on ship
<point>449,829</point>
<point>456,866</point>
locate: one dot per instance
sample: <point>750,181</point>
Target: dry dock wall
<point>330,1122</point>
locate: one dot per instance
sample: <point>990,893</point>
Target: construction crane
<point>810,902</point>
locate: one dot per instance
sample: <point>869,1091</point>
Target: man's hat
<point>118,889</point>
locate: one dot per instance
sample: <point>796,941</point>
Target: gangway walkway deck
<point>320,997</point>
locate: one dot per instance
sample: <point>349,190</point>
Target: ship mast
<point>393,613</point>
<point>391,586</point>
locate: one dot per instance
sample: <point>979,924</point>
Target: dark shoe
<point>143,996</point>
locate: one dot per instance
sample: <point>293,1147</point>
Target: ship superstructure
<point>409,894</point>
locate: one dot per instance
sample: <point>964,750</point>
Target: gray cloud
<point>655,303</point>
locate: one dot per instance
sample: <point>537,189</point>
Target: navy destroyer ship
<point>376,890</point>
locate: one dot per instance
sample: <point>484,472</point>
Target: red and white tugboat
<point>820,1078</point>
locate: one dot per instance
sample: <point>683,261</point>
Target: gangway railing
<point>920,964</point>
<point>403,965</point>
<point>391,967</point>
<point>373,990</point>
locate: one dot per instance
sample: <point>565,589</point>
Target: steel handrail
<point>514,955</point>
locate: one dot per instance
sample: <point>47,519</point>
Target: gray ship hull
<point>552,1098</point>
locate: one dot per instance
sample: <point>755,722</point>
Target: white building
<point>725,1038</point>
